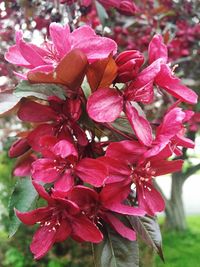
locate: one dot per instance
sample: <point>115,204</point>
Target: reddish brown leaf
<point>101,73</point>
<point>70,71</point>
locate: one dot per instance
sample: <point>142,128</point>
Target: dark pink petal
<point>60,37</point>
<point>42,192</point>
<point>84,197</point>
<point>112,195</point>
<point>180,140</point>
<point>131,151</point>
<point>65,182</point>
<point>157,49</point>
<point>171,125</point>
<point>80,135</point>
<point>140,93</point>
<point>30,54</point>
<point>15,57</point>
<point>166,80</point>
<point>86,230</point>
<point>118,169</point>
<point>64,149</point>
<point>23,167</point>
<point>42,242</point>
<point>140,125</point>
<point>162,167</point>
<point>92,171</point>
<point>101,102</point>
<point>97,48</point>
<point>81,33</point>
<point>150,199</point>
<point>45,170</point>
<point>119,227</point>
<point>39,132</point>
<point>34,216</point>
<point>94,46</point>
<point>34,112</point>
<point>63,232</point>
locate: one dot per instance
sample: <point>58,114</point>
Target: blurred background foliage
<point>181,248</point>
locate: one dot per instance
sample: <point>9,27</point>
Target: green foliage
<point>182,249</point>
<point>42,91</point>
<point>22,198</point>
<point>115,251</point>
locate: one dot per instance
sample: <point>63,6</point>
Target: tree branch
<point>191,171</point>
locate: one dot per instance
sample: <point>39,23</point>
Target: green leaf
<point>102,14</point>
<point>148,229</point>
<point>115,251</point>
<point>42,90</point>
<point>23,198</point>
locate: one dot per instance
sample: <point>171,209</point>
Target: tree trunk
<point>175,214</point>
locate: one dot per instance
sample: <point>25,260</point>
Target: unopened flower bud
<point>129,63</point>
<point>18,148</point>
<point>127,8</point>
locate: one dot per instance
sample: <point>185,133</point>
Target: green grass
<point>182,249</point>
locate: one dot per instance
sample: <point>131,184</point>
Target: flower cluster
<point>82,160</point>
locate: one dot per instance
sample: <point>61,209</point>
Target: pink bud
<point>129,63</point>
<point>127,8</point>
<point>18,148</point>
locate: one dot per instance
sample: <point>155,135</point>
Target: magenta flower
<point>58,119</point>
<point>160,74</point>
<point>60,165</point>
<point>48,55</point>
<point>165,78</point>
<point>101,206</point>
<point>170,133</point>
<point>132,170</point>
<point>105,99</point>
<point>57,221</point>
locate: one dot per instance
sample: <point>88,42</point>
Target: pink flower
<point>60,165</point>
<point>160,74</point>
<point>57,221</point>
<point>58,119</point>
<point>131,169</point>
<point>105,99</point>
<point>165,78</point>
<point>47,56</point>
<point>100,206</point>
<point>170,133</point>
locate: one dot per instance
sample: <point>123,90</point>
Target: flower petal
<point>65,182</point>
<point>34,216</point>
<point>150,199</point>
<point>86,230</point>
<point>44,170</point>
<point>60,37</point>
<point>119,227</point>
<point>157,49</point>
<point>92,171</point>
<point>101,102</point>
<point>140,125</point>
<point>42,242</point>
<point>64,149</point>
<point>131,151</point>
<point>166,80</point>
<point>31,111</point>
